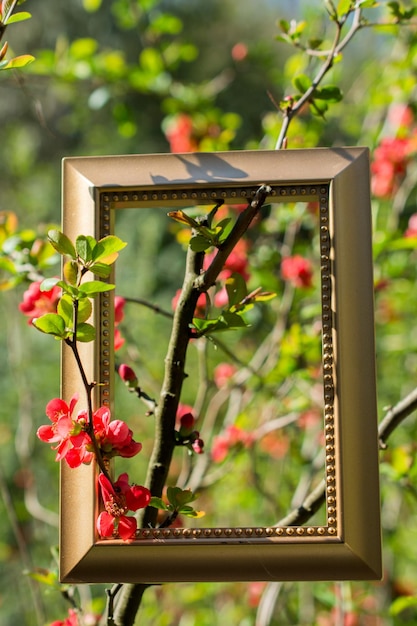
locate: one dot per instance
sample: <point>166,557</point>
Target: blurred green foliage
<point>121,76</point>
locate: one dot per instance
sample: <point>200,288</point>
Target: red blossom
<point>297,270</point>
<point>67,431</point>
<point>119,498</point>
<point>72,619</point>
<point>36,302</point>
<point>119,313</point>
<point>128,376</point>
<point>233,436</point>
<point>198,444</point>
<point>179,133</point>
<point>73,443</point>
<point>114,437</point>
<point>223,373</point>
<point>185,418</point>
<point>412,226</point>
<point>389,165</point>
<point>239,52</point>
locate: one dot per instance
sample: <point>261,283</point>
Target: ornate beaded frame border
<point>348,546</point>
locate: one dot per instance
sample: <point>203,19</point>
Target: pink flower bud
<point>128,376</point>
<point>187,421</point>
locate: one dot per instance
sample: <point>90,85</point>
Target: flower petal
<point>105,524</point>
<point>127,527</point>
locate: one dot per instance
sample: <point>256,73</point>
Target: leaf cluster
<point>74,307</point>
<point>178,503</point>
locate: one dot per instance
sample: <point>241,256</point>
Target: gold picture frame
<point>348,547</point>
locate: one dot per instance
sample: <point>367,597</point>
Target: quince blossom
<point>36,302</point>
<point>119,498</point>
<point>297,270</point>
<point>67,431</point>
<point>74,444</point>
<point>114,437</point>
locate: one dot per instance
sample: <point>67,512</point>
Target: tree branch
<point>392,419</point>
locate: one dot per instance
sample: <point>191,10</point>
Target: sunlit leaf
<point>61,243</point>
<point>236,288</point>
<point>107,248</point>
<point>20,61</point>
<point>71,272</point>
<point>94,287</point>
<point>51,324</point>
<point>158,503</point>
<point>18,17</point>
<point>100,269</point>
<point>84,246</point>
<point>85,332</point>
<point>302,82</point>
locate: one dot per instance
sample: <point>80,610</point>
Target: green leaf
<point>233,320</point>
<point>158,503</point>
<point>16,62</point>
<point>179,497</point>
<point>302,82</point>
<point>71,272</point>
<point>108,247</point>
<point>51,324</point>
<point>101,270</point>
<point>236,289</point>
<point>66,310</point>
<point>91,5</point>
<point>61,243</point>
<point>94,287</point>
<point>319,108</point>
<point>343,7</point>
<point>84,246</point>
<point>85,333</point>
<point>284,26</point>
<point>199,243</point>
<point>49,283</point>
<point>331,93</point>
<point>18,17</point>
<point>401,604</point>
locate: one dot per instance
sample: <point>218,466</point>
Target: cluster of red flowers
<point>119,498</point>
<point>232,437</point>
<point>393,154</point>
<point>68,433</point>
<point>37,303</point>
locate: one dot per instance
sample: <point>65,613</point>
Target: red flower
<point>119,313</point>
<point>118,499</point>
<point>114,437</point>
<point>297,270</point>
<point>36,302</point>
<point>389,165</point>
<point>412,226</point>
<point>67,432</point>
<point>72,619</point>
<point>223,373</point>
<point>74,444</point>
<point>179,133</point>
<point>233,436</point>
<point>128,376</point>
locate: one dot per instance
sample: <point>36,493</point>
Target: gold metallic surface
<point>349,547</point>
